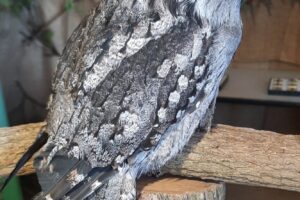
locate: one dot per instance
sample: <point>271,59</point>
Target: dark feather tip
<point>38,143</point>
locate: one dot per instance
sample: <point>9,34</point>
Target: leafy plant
<point>5,3</point>
<point>47,36</point>
<point>69,5</point>
<point>15,6</point>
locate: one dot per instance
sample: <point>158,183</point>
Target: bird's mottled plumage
<point>136,80</point>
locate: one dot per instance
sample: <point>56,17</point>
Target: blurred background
<point>33,34</point>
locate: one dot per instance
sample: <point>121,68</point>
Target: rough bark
<point>242,155</point>
<point>14,141</point>
<point>231,154</point>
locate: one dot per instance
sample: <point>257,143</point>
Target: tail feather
<point>60,175</point>
<point>69,178</point>
<point>96,178</point>
<point>66,182</point>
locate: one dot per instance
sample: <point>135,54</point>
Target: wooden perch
<point>244,156</point>
<point>230,154</point>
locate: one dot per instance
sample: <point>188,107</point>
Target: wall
<point>271,40</point>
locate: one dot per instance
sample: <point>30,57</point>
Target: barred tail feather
<point>69,178</point>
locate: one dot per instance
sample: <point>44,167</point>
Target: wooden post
<point>178,188</point>
<point>230,154</point>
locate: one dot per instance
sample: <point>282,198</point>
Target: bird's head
<point>214,12</point>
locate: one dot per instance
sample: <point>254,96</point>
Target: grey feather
<point>136,80</point>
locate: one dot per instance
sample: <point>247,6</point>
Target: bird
<point>136,80</point>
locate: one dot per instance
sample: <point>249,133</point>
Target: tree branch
<point>230,154</point>
<point>244,156</point>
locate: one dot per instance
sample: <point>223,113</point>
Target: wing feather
<point>125,92</point>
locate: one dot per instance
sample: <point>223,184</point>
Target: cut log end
<point>178,188</point>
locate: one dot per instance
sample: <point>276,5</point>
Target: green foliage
<point>5,3</point>
<point>69,5</point>
<point>46,37</point>
<point>15,6</point>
